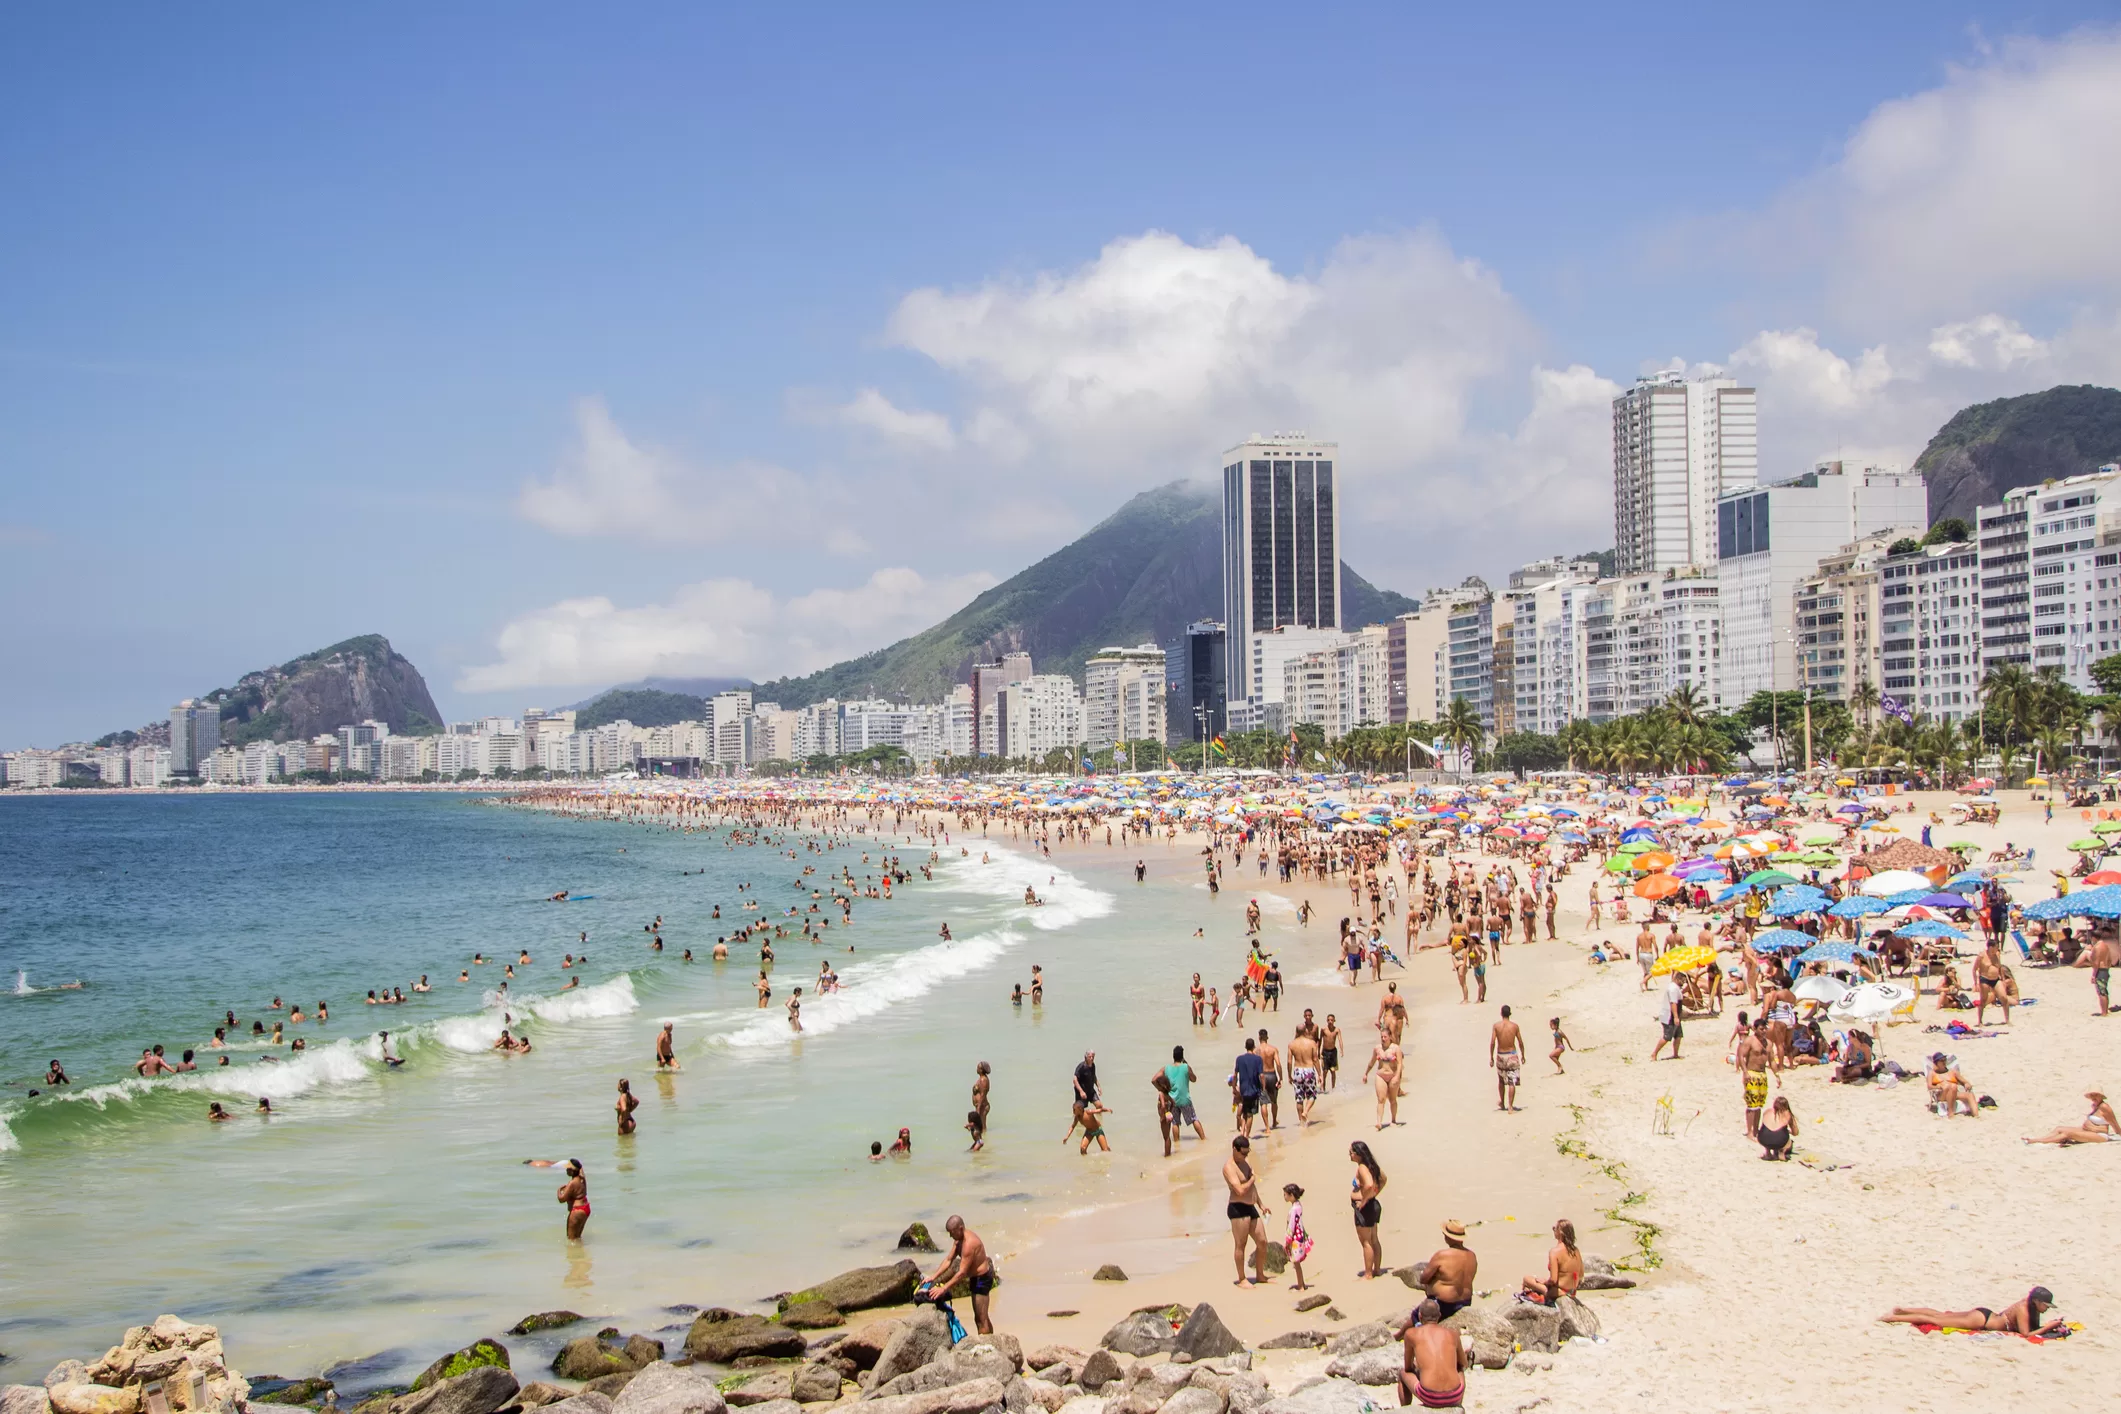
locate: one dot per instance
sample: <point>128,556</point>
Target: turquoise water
<point>381,1216</point>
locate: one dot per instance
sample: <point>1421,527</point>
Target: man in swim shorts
<point>1303,1070</point>
<point>1506,1054</point>
<point>1752,1061</point>
<point>1449,1274</point>
<point>1433,1368</point>
<point>1245,1211</point>
<point>968,1259</point>
<point>1178,1084</point>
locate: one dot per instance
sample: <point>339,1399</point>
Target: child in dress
<point>1298,1242</point>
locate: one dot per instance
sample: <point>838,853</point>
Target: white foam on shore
<point>22,986</point>
<point>7,1136</point>
<point>871,988</point>
<point>613,998</point>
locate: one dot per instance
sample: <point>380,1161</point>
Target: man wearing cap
<point>1448,1277</point>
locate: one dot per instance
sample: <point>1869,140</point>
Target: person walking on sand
<point>1246,1211</point>
<point>574,1196</point>
<point>1269,1081</point>
<point>1297,1242</point>
<point>1249,1070</point>
<point>1384,1065</point>
<point>1751,1058</point>
<point>1363,1193</point>
<point>1993,980</point>
<point>1450,1272</point>
<point>2101,957</point>
<point>1506,1056</point>
<point>1178,1084</point>
<point>1561,1043</point>
<point>1329,1052</point>
<point>1303,1070</point>
<point>968,1260</point>
<point>1671,1008</point>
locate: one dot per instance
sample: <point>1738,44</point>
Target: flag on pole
<point>1220,747</point>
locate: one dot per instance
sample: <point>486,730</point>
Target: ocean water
<point>380,1216</point>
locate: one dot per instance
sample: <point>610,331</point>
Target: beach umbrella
<point>1817,841</point>
<point>1929,928</point>
<point>2036,780</point>
<point>1830,952</point>
<point>1824,989</point>
<point>1895,881</point>
<point>1955,901</point>
<point>1619,864</point>
<point>1776,939</point>
<point>2090,846</point>
<point>1657,886</point>
<point>1767,878</point>
<point>1636,833</point>
<point>1683,959</point>
<point>1653,860</point>
<point>2104,876</point>
<point>2106,827</point>
<point>1872,1002</point>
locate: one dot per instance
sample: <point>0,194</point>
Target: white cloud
<point>2003,182</point>
<point>609,485</point>
<point>1160,352</point>
<point>715,627</point>
<point>1990,341</point>
<point>872,410</point>
<point>1793,360</point>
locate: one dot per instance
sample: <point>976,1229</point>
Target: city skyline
<point>580,374</point>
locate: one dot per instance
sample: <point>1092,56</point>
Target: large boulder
<point>813,1316</point>
<point>721,1336</point>
<point>1001,1341</point>
<point>663,1388</point>
<point>1110,1271</point>
<point>917,1341</point>
<point>864,1345</point>
<point>25,1399</point>
<point>1048,1356</point>
<point>479,1355</point>
<point>977,1359</point>
<point>1294,1340</point>
<point>1031,1393</point>
<point>482,1390</point>
<point>1577,1319</point>
<point>971,1397</point>
<point>1378,1366</point>
<point>863,1288</point>
<point>1101,1369</point>
<point>1143,1333</point>
<point>1538,1327</point>
<point>83,1397</point>
<point>66,1372</point>
<point>1204,1336</point>
<point>589,1401</point>
<point>310,1391</point>
<point>1324,1397</point>
<point>545,1321</point>
<point>815,1384</point>
<point>1492,1335</point>
<point>916,1239</point>
<point>1356,1339</point>
<point>1599,1274</point>
<point>1195,1400</point>
<point>588,1357</point>
<point>762,1389</point>
<point>1083,1404</point>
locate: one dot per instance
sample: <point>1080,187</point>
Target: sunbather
<point>2098,1127</point>
<point>2022,1317</point>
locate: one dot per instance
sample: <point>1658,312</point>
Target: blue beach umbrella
<point>1831,952</point>
<point>1944,901</point>
<point>1929,928</point>
<point>1776,939</point>
<point>1861,906</point>
<point>1906,897</point>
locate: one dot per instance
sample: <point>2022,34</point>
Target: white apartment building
<point>727,717</point>
<point>147,765</point>
<point>958,721</point>
<point>225,766</point>
<point>1340,687</point>
<point>1929,630</point>
<point>1771,538</point>
<point>1271,651</point>
<point>1123,696</point>
<point>194,732</point>
<point>915,730</point>
<point>1418,657</point>
<point>1836,616</point>
<point>1041,713</point>
<point>1679,443</point>
<point>1281,550</point>
<point>2051,575</point>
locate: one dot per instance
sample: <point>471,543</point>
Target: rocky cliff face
<point>357,680</point>
<point>1988,448</point>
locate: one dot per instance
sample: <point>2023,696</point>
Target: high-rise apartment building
<point>1929,629</point>
<point>1042,713</point>
<point>1836,615</point>
<point>194,732</point>
<point>1202,682</point>
<point>988,679</point>
<point>1123,696</point>
<point>1470,652</point>
<point>1770,538</point>
<point>2051,575</point>
<point>1281,547</point>
<point>1678,444</point>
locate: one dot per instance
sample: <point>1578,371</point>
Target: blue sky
<point>562,347</point>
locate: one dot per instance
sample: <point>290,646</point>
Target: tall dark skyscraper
<point>1281,545</point>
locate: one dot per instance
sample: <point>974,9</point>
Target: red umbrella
<point>2104,876</point>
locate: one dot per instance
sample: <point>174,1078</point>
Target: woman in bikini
<point>1369,1181</point>
<point>574,1196</point>
<point>2022,1317</point>
<point>2099,1127</point>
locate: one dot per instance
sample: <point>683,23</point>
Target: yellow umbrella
<point>1683,959</point>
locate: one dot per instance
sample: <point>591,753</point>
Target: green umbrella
<point>1963,844</point>
<point>1821,857</point>
<point>1786,856</point>
<point>2106,827</point>
<point>2092,844</point>
<point>1767,879</point>
<point>1619,864</point>
<point>1636,847</point>
<point>1822,839</point>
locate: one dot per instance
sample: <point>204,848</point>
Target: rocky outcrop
<point>1380,1366</point>
<point>721,1337</point>
<point>305,1392</point>
<point>918,1339</point>
<point>916,1239</point>
<point>1367,1336</point>
<point>25,1399</point>
<point>863,1346</point>
<point>358,680</point>
<point>596,1357</point>
<point>1204,1336</point>
<point>1327,1396</point>
<point>478,1355</point>
<point>1493,1337</point>
<point>813,1316</point>
<point>663,1388</point>
<point>1110,1271</point>
<point>186,1359</point>
<point>483,1390</point>
<point>545,1321</point>
<point>1294,1340</point>
<point>589,1401</point>
<point>863,1288</point>
<point>971,1397</point>
<point>1599,1274</point>
<point>1577,1319</point>
<point>1538,1327</point>
<point>1143,1333</point>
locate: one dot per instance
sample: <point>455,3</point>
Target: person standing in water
<point>666,1057</point>
<point>626,1104</point>
<point>574,1196</point>
<point>980,1080</point>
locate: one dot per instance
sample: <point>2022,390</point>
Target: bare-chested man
<point>1269,1080</point>
<point>2102,957</point>
<point>1993,980</point>
<point>1448,1276</point>
<point>1433,1361</point>
<point>981,1074</point>
<point>1564,1269</point>
<point>1303,1070</point>
<point>968,1259</point>
<point>1246,1211</point>
<point>1751,1057</point>
<point>666,1056</point>
<point>1383,1072</point>
<point>1506,1055</point>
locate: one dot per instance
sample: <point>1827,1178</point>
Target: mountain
<point>361,679</point>
<point>1140,576</point>
<point>642,706</point>
<point>1988,448</point>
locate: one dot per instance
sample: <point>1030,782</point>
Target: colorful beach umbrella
<point>1683,959</point>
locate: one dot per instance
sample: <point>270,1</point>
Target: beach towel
<point>1927,1329</point>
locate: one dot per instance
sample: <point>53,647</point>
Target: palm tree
<point>1685,705</point>
<point>1461,726</point>
<point>1864,700</point>
<point>2054,743</point>
<point>2009,692</point>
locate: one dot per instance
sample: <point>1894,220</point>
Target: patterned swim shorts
<point>1306,1082</point>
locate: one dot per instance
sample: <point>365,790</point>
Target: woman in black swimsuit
<point>1369,1182</point>
<point>2023,1318</point>
<point>1776,1132</point>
